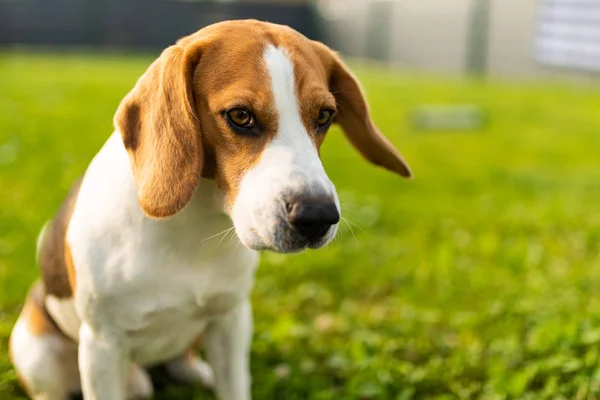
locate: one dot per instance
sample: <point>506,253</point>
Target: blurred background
<point>501,37</point>
<point>478,279</point>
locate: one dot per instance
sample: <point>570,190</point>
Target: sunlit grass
<point>478,279</point>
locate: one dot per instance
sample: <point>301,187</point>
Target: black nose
<point>312,218</point>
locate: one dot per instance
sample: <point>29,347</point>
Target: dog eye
<point>325,117</point>
<point>241,118</point>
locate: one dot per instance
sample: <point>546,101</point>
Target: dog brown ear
<point>354,117</point>
<point>161,132</point>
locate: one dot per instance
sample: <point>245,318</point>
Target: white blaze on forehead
<point>291,132</point>
<point>281,71</point>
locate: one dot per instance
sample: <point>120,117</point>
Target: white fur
<point>289,166</point>
<point>227,344</point>
<point>48,366</point>
<point>147,288</point>
<point>64,314</point>
<point>48,362</point>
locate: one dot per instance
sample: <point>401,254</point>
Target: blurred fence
<point>568,34</point>
<point>136,23</point>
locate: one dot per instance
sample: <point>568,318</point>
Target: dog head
<point>248,104</point>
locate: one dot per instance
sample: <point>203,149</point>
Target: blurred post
<point>378,30</point>
<point>477,46</point>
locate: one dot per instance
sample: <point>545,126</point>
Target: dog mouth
<point>285,238</point>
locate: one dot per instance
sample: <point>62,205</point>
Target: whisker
<point>356,225</point>
<point>232,229</point>
<point>349,227</point>
<point>225,232</point>
<point>340,238</point>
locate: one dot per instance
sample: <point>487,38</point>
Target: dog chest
<point>162,325</point>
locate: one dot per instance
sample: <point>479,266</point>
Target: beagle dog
<point>221,133</point>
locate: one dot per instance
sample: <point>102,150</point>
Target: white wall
<point>425,34</point>
<point>511,38</point>
<point>430,35</point>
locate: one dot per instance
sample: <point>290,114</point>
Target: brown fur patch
<point>161,133</point>
<point>58,273</point>
<point>197,344</point>
<point>354,116</point>
<point>70,267</point>
<point>39,322</point>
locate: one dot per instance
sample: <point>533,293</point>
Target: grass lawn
<point>479,279</point>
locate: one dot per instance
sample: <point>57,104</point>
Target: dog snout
<point>312,218</point>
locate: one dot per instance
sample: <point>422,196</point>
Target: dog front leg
<point>227,345</point>
<point>102,365</point>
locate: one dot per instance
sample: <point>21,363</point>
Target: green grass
<point>479,279</point>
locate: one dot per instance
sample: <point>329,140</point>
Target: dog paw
<point>191,370</point>
<point>139,384</point>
